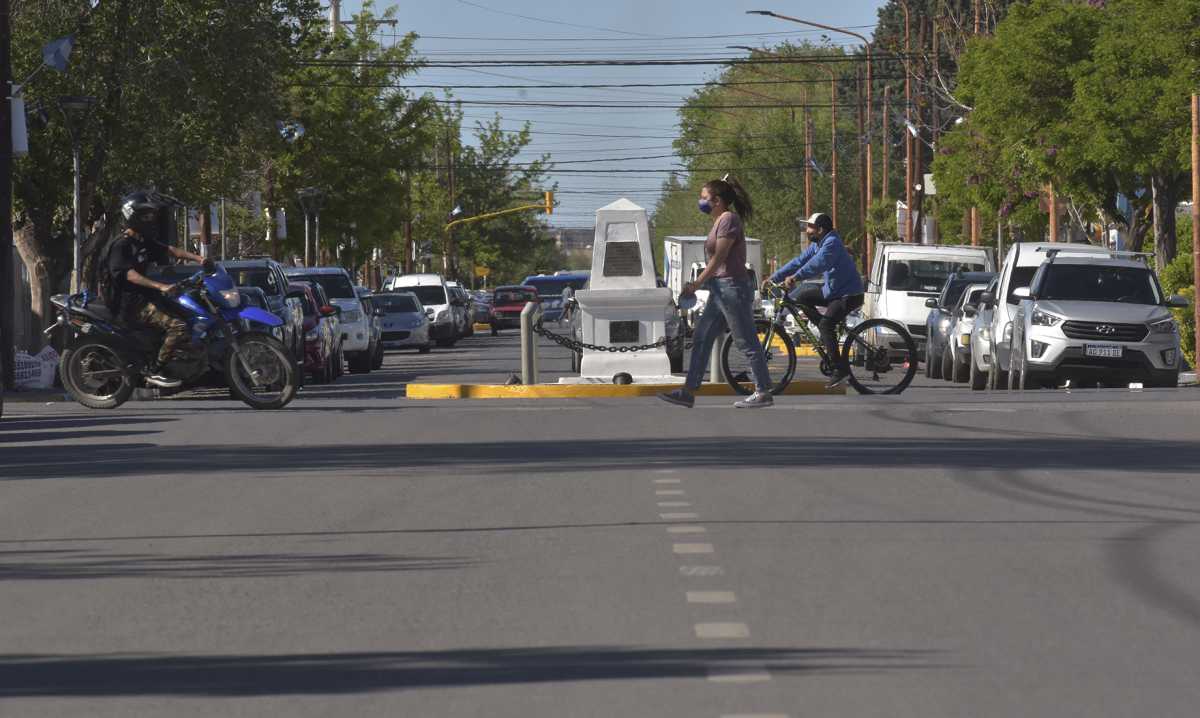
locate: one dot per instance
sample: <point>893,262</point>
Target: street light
<point>75,110</point>
<point>311,199</point>
<point>870,79</point>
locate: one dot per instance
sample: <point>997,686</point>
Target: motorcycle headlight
<point>1043,319</point>
<point>1164,326</point>
<point>231,298</point>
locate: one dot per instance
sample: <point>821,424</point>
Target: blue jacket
<point>828,257</point>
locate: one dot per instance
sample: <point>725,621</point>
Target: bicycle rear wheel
<point>778,349</point>
<point>882,356</point>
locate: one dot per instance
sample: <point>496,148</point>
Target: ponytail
<point>733,194</point>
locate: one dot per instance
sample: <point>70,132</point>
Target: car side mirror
<point>329,311</point>
<point>1022,293</point>
<point>429,312</point>
<point>931,302</point>
<point>970,311</point>
<point>1177,301</point>
<point>987,299</point>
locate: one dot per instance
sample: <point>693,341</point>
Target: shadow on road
<point>345,673</point>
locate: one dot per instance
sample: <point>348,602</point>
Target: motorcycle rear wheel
<point>274,383</point>
<point>94,374</point>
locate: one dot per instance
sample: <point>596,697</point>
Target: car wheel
<point>425,349</point>
<point>1016,377</point>
<point>377,363</point>
<point>446,343</point>
<point>495,332</point>
<point>959,371</point>
<point>947,364</point>
<point>339,364</point>
<point>997,377</point>
<point>928,362</point>
<point>977,378</point>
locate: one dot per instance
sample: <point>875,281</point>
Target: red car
<point>507,304</point>
<point>320,332</point>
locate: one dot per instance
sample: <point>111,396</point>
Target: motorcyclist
<point>136,298</point>
<point>840,293</point>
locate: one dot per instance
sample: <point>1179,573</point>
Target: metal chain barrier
<point>577,346</point>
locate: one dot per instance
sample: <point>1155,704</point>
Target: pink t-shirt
<point>728,225</point>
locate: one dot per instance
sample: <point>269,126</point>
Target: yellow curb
<point>591,391</point>
<point>483,327</point>
<point>803,351</point>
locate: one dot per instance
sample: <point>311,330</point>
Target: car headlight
<point>944,324</point>
<point>443,316</point>
<point>985,334</point>
<point>351,315</point>
<point>1164,326</point>
<point>1043,319</point>
<point>231,298</point>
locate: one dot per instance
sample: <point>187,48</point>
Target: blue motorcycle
<point>104,359</point>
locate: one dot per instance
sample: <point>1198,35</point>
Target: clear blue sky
<point>490,29</point>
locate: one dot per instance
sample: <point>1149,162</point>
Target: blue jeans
<point>730,304</point>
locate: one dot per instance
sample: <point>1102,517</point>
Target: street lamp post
<point>311,199</point>
<point>75,110</point>
<point>870,79</point>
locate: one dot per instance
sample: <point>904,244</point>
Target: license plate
<point>1107,351</point>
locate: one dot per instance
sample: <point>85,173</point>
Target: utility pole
<point>833,100</point>
<point>7,288</point>
<point>864,168</point>
<point>1196,216</point>
<point>449,257</point>
<point>908,138</point>
<point>887,142</point>
<point>808,157</point>
<point>1053,212</point>
<point>335,15</point>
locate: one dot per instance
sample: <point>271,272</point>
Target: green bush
<point>1187,325</point>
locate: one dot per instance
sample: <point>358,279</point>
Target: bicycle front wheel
<point>882,356</point>
<point>778,350</point>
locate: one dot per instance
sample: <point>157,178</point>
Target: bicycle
<point>881,353</point>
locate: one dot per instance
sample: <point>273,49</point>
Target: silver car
<point>979,346</point>
<point>956,356</point>
<point>1094,320</point>
<point>405,321</point>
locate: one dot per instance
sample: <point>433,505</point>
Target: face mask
<point>705,207</point>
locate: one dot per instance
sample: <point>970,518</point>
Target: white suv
<point>355,324</point>
<point>435,295</point>
<point>1091,319</point>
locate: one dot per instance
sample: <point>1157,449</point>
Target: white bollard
<point>529,343</point>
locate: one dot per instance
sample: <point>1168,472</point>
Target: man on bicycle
<point>840,294</point>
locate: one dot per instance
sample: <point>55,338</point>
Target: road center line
<point>748,674</point>
<point>701,571</point>
<point>674,504</point>
<point>667,481</point>
<point>686,530</point>
<point>711,597</point>
<point>679,516</point>
<point>670,492</point>
<point>693,548</point>
<point>722,630</point>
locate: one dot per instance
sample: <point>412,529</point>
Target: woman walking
<point>730,294</point>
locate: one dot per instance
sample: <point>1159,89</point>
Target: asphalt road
<point>940,553</point>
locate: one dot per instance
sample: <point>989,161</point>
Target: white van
<point>434,294</point>
<point>684,260</point>
<point>904,275</point>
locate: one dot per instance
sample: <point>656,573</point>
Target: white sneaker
<point>757,400</point>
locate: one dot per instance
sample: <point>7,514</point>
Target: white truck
<point>904,275</point>
<point>684,260</point>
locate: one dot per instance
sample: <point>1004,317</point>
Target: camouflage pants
<point>176,329</point>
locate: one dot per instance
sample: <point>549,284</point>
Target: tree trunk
<point>1166,198</point>
<point>43,277</point>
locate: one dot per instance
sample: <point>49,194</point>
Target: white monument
<point>623,305</point>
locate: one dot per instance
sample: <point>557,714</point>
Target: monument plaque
<point>623,259</point>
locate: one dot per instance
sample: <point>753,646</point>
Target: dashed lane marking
<point>711,597</point>
<point>686,530</point>
<point>746,674</point>
<point>679,516</point>
<point>670,492</point>
<point>701,571</point>
<point>674,504</point>
<point>722,630</point>
<point>667,481</point>
<point>693,548</point>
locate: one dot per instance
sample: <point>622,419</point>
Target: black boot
<point>156,377</point>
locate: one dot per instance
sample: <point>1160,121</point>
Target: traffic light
<point>549,203</point>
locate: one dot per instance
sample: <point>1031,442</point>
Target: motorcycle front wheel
<point>95,375</point>
<point>264,375</point>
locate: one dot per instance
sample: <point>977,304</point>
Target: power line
<point>649,62</point>
<point>473,38</point>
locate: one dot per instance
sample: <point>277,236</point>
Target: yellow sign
<point>482,271</point>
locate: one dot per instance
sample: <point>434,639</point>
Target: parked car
<point>355,324</point>
<point>405,321</point>
<point>980,349</point>
<point>481,305</point>
<point>957,353</point>
<point>1020,264</point>
<point>507,304</point>
<point>1094,319</point>
<point>939,321</point>
<point>433,294</point>
<point>375,323</point>
<point>320,340</point>
<point>550,288</point>
<point>904,275</point>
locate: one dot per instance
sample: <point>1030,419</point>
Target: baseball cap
<point>818,219</point>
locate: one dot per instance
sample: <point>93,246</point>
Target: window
<point>1021,277</point>
<point>396,303</point>
<point>925,275</point>
<point>553,287</point>
<point>337,286</point>
<point>264,279</point>
<point>515,296</point>
<point>1098,283</point>
<point>428,294</point>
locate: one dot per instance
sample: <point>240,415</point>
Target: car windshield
<point>428,294</point>
<point>925,275</point>
<point>337,286</point>
<point>554,286</point>
<point>396,303</point>
<point>1098,283</point>
<point>262,278</point>
<point>513,296</point>
<point>953,292</point>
